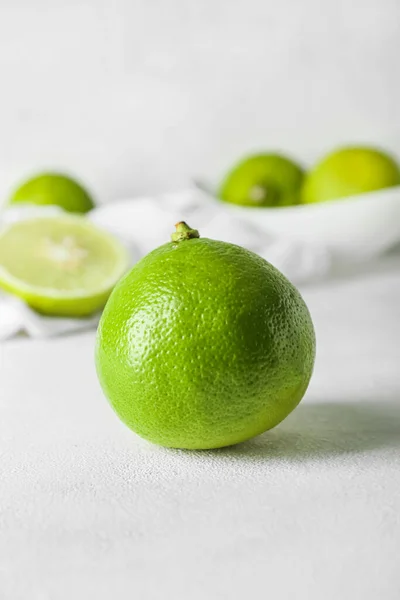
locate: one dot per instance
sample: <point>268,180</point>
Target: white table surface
<point>308,511</point>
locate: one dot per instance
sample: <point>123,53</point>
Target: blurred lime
<point>263,180</point>
<point>350,171</point>
<point>56,189</point>
<point>60,265</point>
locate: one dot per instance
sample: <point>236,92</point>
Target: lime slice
<point>60,265</point>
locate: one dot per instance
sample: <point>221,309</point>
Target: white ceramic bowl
<point>366,224</point>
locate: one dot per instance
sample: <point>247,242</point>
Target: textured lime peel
<point>204,344</point>
<point>60,265</point>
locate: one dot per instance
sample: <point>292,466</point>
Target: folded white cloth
<point>145,223</point>
<point>149,222</point>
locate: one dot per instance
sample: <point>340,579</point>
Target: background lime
<point>263,180</point>
<point>204,344</point>
<point>56,189</point>
<point>349,171</point>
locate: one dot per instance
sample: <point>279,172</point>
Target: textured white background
<point>308,511</point>
<point>143,94</point>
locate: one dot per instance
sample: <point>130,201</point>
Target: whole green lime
<point>54,189</point>
<point>350,171</point>
<point>204,344</point>
<point>263,180</point>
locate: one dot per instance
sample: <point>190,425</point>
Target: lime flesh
<point>60,265</point>
<point>54,189</point>
<point>204,344</point>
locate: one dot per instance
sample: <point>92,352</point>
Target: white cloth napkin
<point>145,223</point>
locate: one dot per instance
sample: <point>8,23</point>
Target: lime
<point>263,180</point>
<point>350,171</point>
<point>204,344</point>
<point>54,188</point>
<point>60,265</point>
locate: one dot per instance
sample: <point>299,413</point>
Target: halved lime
<point>60,265</point>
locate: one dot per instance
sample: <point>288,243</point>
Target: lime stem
<point>184,232</point>
<point>258,193</point>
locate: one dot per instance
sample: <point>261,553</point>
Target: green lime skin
<point>59,307</point>
<point>204,344</point>
<point>350,171</point>
<point>266,180</point>
<point>54,189</point>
